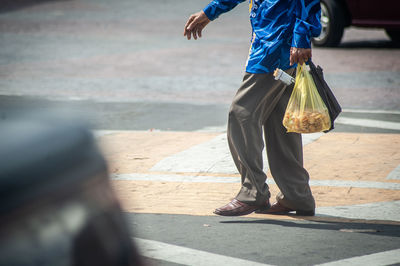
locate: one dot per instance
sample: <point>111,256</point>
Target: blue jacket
<point>277,25</point>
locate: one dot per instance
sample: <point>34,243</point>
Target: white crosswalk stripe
<point>368,123</point>
<point>187,256</point>
<point>377,259</point>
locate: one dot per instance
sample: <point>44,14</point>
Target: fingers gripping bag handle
<point>305,112</point>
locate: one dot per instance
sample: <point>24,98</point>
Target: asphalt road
<point>273,242</point>
<point>124,65</point>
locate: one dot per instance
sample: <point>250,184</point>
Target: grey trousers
<point>259,104</point>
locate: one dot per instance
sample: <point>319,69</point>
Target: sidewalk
<point>353,176</point>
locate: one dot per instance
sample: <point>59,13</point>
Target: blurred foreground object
<point>339,14</point>
<point>57,206</point>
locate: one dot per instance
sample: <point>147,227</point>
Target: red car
<point>339,14</point>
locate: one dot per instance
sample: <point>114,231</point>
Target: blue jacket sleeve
<point>308,22</point>
<point>217,7</point>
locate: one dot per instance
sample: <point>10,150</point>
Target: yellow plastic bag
<point>306,112</point>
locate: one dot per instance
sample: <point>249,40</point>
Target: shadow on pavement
<point>380,229</point>
<point>376,44</point>
<point>57,204</point>
<point>12,5</point>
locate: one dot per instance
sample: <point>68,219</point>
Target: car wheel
<point>394,35</point>
<point>332,22</point>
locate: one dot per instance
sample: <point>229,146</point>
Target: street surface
<point>158,105</point>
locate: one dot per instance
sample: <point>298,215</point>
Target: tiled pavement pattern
<point>347,176</point>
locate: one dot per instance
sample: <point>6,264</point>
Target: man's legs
<point>253,106</point>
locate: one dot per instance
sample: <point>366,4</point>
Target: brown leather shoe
<point>279,209</point>
<point>236,208</point>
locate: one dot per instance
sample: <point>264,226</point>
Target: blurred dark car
<point>336,15</point>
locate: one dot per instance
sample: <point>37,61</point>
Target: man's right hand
<point>195,24</point>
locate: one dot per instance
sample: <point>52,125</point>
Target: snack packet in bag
<point>305,112</point>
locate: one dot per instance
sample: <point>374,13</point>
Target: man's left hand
<point>299,55</point>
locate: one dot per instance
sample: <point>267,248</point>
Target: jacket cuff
<point>301,41</point>
<point>210,11</point>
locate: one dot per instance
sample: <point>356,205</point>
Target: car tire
<point>394,35</point>
<point>332,22</point>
